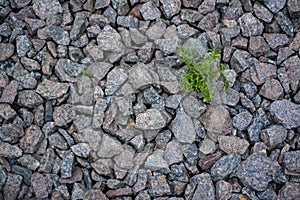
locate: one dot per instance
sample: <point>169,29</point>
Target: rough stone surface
<point>286,112</point>
<point>232,144</point>
<point>8,51</point>
<point>225,166</point>
<point>242,120</point>
<point>250,26</point>
<point>253,173</point>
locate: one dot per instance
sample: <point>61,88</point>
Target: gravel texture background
<point>91,108</point>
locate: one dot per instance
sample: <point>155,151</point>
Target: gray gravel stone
<point>52,90</point>
<point>170,7</point>
<point>167,46</point>
<point>158,185</point>
<point>47,10</point>
<point>274,135</point>
<point>207,146</point>
<point>12,186</point>
<point>6,112</point>
<point>125,159</point>
<point>109,147</point>
<point>7,51</point>
<point>81,149</point>
<point>260,121</point>
<point>29,98</point>
<point>291,162</point>
<point>192,106</point>
<point>262,12</point>
<point>205,188</point>
<point>258,46</point>
<point>179,173</point>
<point>149,11</point>
<point>285,23</point>
<point>109,40</point>
<point>10,151</point>
<point>183,128</point>
<point>67,164</point>
<point>23,45</point>
<point>239,61</point>
<point>63,115</point>
<point>233,145</point>
<point>223,190</point>
<point>286,112</point>
<point>173,152</point>
<point>250,25</point>
<point>151,119</point>
<point>274,6</point>
<point>68,70</point>
<point>286,194</point>
<point>156,162</point>
<point>293,8</point>
<point>254,174</point>
<point>242,120</point>
<point>225,166</point>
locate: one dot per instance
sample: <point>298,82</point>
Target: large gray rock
<point>109,147</point>
<point>183,128</point>
<point>109,40</point>
<point>250,25</point>
<point>287,113</point>
<point>7,50</point>
<point>151,119</point>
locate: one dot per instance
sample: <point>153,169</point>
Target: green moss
<point>200,75</point>
<point>86,72</point>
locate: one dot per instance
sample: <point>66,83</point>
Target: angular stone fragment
<point>173,152</point>
<point>191,3</point>
<point>29,162</point>
<point>262,12</point>
<point>59,35</point>
<point>274,6</point>
<point>63,114</point>
<point>6,112</point>
<point>242,120</point>
<point>158,185</point>
<point>253,172</point>
<point>67,164</point>
<point>140,75</point>
<point>7,50</point>
<point>183,128</point>
<point>290,191</point>
<point>285,23</point>
<point>101,4</point>
<point>276,40</point>
<point>156,162</point>
<point>151,119</point>
<point>239,61</point>
<point>119,192</point>
<point>170,7</point>
<point>125,159</point>
<point>261,72</point>
<point>258,46</point>
<point>79,26</point>
<point>272,89</point>
<point>40,184</point>
<point>94,194</point>
<point>250,25</point>
<point>30,64</point>
<point>68,70</point>
<point>52,90</point>
<point>205,188</point>
<point>109,147</point>
<point>76,176</point>
<point>273,135</point>
<point>47,161</point>
<point>115,79</point>
<point>216,120</point>
<point>291,162</point>
<point>81,149</point>
<point>12,186</point>
<point>103,166</point>
<point>156,31</point>
<point>109,40</point>
<point>149,11</point>
<point>207,6</point>
<point>232,144</point>
<point>223,190</point>
<point>33,137</point>
<point>225,166</point>
<point>168,45</point>
<point>23,45</point>
<point>10,151</point>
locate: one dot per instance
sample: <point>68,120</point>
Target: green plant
<point>200,74</point>
<point>86,72</point>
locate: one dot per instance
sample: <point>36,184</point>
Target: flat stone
<point>8,51</point>
<point>128,21</point>
<point>173,152</point>
<point>40,185</point>
<point>149,11</point>
<point>233,145</point>
<point>183,128</point>
<point>33,137</point>
<point>208,161</point>
<point>250,25</point>
<point>23,45</point>
<point>156,162</point>
<point>52,90</point>
<point>276,40</point>
<point>225,166</point>
<point>10,151</point>
<point>273,136</point>
<point>151,119</point>
<point>272,89</point>
<point>109,40</point>
<point>12,186</point>
<point>101,4</point>
<point>170,7</point>
<point>242,120</point>
<point>109,147</point>
<point>216,120</point>
<point>253,172</point>
<point>63,115</point>
<point>205,188</point>
<point>30,64</point>
<point>125,159</point>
